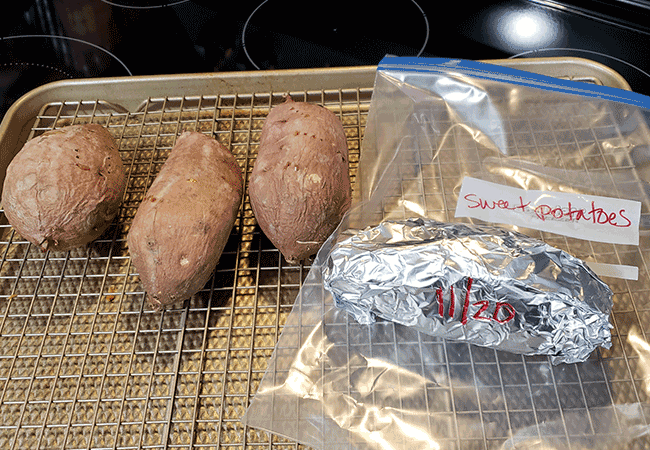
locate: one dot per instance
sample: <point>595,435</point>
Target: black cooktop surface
<point>48,40</point>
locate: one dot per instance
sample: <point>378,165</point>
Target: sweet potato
<point>183,223</point>
<point>300,184</point>
<point>64,187</point>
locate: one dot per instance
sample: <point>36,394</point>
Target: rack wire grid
<point>86,364</point>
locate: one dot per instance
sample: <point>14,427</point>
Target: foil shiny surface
<point>480,284</point>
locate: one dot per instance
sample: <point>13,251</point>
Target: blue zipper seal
<point>519,77</point>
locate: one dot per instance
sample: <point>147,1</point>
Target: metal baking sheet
<point>84,364</point>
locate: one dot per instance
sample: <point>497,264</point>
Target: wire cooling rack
<point>85,364</point>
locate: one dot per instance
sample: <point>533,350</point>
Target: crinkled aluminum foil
<point>480,284</point>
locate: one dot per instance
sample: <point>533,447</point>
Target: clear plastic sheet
<point>335,383</point>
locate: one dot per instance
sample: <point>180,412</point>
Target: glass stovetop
<point>47,40</point>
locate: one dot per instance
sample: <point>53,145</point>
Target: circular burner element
<point>27,62</point>
<point>296,34</point>
<point>18,78</point>
<point>144,4</point>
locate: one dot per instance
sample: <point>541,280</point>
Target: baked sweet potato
<point>64,187</point>
<point>183,223</point>
<point>300,184</point>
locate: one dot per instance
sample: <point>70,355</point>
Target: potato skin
<point>300,185</point>
<point>64,187</point>
<point>183,223</point>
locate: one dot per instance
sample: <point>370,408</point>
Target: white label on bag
<point>614,270</point>
<point>590,217</point>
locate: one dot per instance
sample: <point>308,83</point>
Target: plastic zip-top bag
<point>490,288</point>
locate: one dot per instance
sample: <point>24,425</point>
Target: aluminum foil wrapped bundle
<point>480,284</point>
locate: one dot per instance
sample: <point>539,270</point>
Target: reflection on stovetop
<point>75,38</point>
